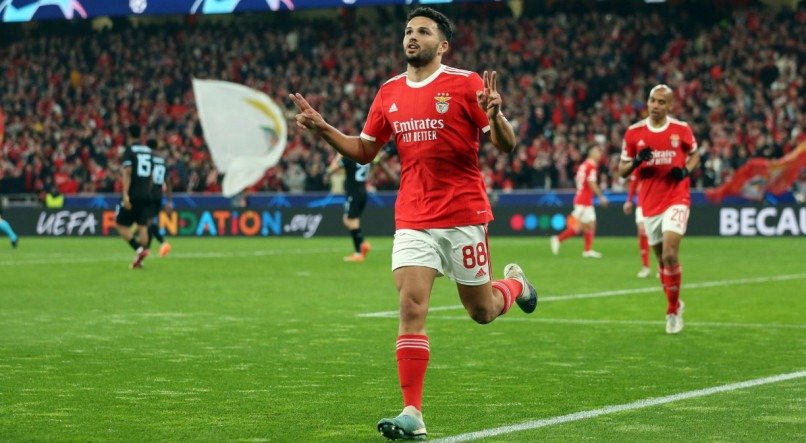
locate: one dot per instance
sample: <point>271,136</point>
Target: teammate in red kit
<point>643,243</point>
<point>435,114</point>
<point>664,151</point>
<point>583,219</point>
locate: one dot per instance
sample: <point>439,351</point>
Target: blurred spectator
<point>575,78</point>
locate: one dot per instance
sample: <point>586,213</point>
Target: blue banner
<point>546,199</point>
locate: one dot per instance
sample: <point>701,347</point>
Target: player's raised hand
<point>307,118</point>
<point>489,99</point>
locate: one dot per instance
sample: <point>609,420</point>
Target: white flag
<point>245,131</point>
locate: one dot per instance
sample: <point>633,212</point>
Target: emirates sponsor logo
<point>418,124</point>
<point>418,130</point>
<point>662,157</point>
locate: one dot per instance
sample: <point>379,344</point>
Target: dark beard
<point>423,58</point>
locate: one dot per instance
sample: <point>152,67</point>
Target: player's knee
<point>412,309</point>
<point>669,258</point>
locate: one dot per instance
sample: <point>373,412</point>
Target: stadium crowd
<point>569,80</point>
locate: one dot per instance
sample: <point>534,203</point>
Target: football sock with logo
<point>134,243</point>
<point>510,289</point>
<point>671,278</point>
<point>643,246</point>
<point>5,227</point>
<point>358,238</point>
<point>588,236</point>
<point>565,235</point>
<point>412,353</point>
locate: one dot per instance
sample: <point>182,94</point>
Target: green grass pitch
<point>268,340</point>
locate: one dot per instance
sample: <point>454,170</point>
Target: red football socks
<point>671,277</point>
<point>413,352</point>
<point>588,236</point>
<point>510,289</point>
<point>565,235</point>
<point>643,245</point>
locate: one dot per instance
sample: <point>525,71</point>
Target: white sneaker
<point>555,244</point>
<point>591,254</point>
<point>644,273</point>
<point>674,322</point>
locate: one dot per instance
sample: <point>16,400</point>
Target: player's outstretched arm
<point>501,133</point>
<point>352,147</point>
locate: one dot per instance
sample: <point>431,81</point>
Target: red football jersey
<point>435,124</point>
<point>670,146</point>
<point>588,172</point>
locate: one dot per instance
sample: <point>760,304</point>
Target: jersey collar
<point>656,130</point>
<point>428,80</point>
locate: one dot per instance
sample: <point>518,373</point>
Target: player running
<point>583,218</point>
<point>434,113</point>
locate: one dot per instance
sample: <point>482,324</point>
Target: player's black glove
<point>679,173</point>
<point>643,155</point>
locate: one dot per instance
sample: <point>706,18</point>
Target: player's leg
<point>352,222</point>
<point>123,221</point>
<point>643,246</point>
<point>653,227</point>
<point>674,224</point>
<point>587,218</point>
<point>416,265</point>
<point>467,261</point>
<point>486,302</point>
<point>155,232</point>
<point>671,277</point>
<point>357,209</point>
<point>573,227</point>
<point>643,243</point>
<point>141,212</point>
<point>6,228</point>
<point>353,225</point>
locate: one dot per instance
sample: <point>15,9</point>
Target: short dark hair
<point>134,131</point>
<point>443,23</point>
<point>590,149</point>
<point>151,143</point>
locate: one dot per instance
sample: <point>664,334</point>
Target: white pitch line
<point>640,404</point>
<point>586,321</point>
<point>543,299</point>
<point>175,256</point>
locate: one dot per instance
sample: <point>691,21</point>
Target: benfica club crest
<point>675,140</point>
<point>442,100</point>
